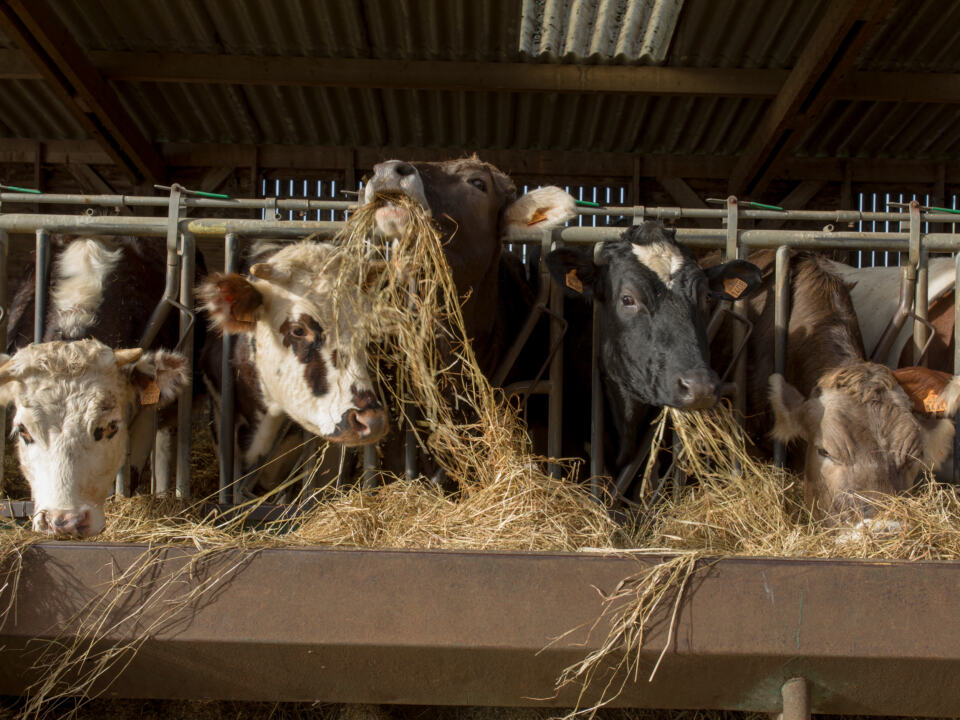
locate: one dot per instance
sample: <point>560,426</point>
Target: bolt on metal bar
<point>781,321</point>
<point>41,288</point>
<point>231,261</point>
<point>185,403</point>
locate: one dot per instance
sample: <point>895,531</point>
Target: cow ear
<point>231,301</point>
<point>937,441</point>
<point>734,280</point>
<point>7,384</point>
<point>540,209</point>
<point>787,403</point>
<point>575,271</point>
<point>159,377</point>
<point>930,392</point>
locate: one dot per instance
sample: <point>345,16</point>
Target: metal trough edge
<point>468,628</point>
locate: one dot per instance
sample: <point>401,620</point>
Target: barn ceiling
<point>753,86</point>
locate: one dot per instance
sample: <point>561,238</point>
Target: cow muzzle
<point>392,178</point>
<point>361,425</point>
<point>697,390</point>
<point>64,522</point>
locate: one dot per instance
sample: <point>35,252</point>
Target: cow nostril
<point>59,521</point>
<point>404,169</point>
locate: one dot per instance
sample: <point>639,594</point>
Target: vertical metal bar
<point>227,394</point>
<point>123,486</point>
<point>733,253</point>
<point>555,397</point>
<point>410,435</point>
<point>172,283</point>
<point>795,693</point>
<point>921,306</point>
<point>956,365</point>
<point>185,404</point>
<point>781,314</point>
<point>596,411</point>
<point>41,287</point>
<point>4,243</point>
<point>371,464</point>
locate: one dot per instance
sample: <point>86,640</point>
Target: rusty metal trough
<point>470,628</point>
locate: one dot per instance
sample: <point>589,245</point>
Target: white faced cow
<point>74,402</point>
<point>298,353</point>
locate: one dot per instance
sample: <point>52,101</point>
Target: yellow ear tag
<point>150,395</point>
<point>539,216</point>
<point>734,287</point>
<point>932,403</point>
<point>573,282</point>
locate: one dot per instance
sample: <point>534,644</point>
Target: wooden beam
<point>554,163</point>
<point>796,199</point>
<point>841,34</point>
<point>215,177</point>
<point>684,196</point>
<point>52,50</point>
<point>91,182</point>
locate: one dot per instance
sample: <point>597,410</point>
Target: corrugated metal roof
<point>692,33</point>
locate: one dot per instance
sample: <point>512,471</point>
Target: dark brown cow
<point>855,420</point>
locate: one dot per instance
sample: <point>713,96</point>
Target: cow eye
<point>479,184</point>
<point>24,434</point>
<point>112,427</point>
<point>298,331</point>
<point>824,454</point>
<point>627,301</point>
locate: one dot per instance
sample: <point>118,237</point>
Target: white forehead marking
<point>663,258</point>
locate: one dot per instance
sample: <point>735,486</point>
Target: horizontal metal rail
<point>481,628</point>
<point>287,204</point>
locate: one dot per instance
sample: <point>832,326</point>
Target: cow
<point>652,299</point>
<point>297,356</point>
<point>860,434</point>
<point>474,205</point>
<point>102,288</point>
<point>74,403</point>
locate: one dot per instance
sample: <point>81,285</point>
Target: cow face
<point>472,202</point>
<point>309,357</point>
<point>73,405</point>
<point>862,438</point>
<point>652,300</point>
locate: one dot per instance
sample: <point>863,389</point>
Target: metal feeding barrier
<point>735,241</point>
<point>480,628</point>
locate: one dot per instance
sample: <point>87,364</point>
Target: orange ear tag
<point>150,395</point>
<point>734,287</point>
<point>933,403</point>
<point>573,282</point>
<point>539,216</point>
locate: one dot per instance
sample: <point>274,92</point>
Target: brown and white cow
<point>860,434</point>
<point>474,205</point>
<point>299,353</point>
<point>74,402</point>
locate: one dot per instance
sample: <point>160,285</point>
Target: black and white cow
<point>652,301</point>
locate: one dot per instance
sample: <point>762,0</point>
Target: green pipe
<point>587,203</point>
<point>14,188</point>
<point>751,203</point>
<point>216,196</point>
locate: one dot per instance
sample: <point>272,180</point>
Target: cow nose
<point>368,425</point>
<point>67,523</point>
<point>403,169</point>
<point>697,389</point>
<point>365,400</point>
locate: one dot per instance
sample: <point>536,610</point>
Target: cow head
<point>302,325</point>
<point>652,300</point>
<point>473,203</point>
<point>862,438</point>
<point>73,405</point>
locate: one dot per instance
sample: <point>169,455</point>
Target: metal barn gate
<point>467,628</point>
